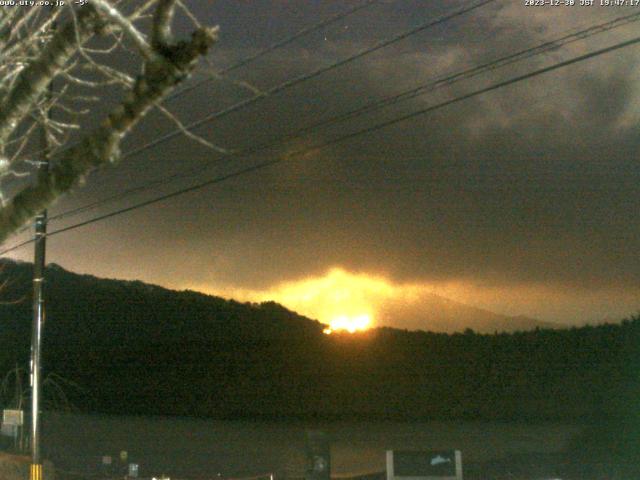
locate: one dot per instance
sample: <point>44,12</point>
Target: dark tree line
<point>137,348</point>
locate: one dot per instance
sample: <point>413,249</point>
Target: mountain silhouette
<point>436,313</point>
<point>134,348</point>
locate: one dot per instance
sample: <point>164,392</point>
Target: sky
<point>522,201</point>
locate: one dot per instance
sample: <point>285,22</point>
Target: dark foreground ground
<point>549,466</point>
<point>540,467</point>
<point>520,467</point>
<point>598,451</point>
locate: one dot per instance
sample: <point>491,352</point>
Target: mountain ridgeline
<point>141,349</point>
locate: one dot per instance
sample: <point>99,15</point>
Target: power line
<point>387,101</point>
<point>279,44</point>
<point>16,247</point>
<point>302,78</point>
<point>285,85</point>
<point>315,148</point>
<point>475,71</point>
<point>308,76</point>
<point>285,41</point>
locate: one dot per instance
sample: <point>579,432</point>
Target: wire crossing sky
<point>403,96</point>
<point>308,76</point>
<point>367,130</point>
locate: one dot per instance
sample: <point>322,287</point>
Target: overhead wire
<point>483,68</point>
<point>302,78</point>
<point>292,82</point>
<point>318,147</point>
<point>372,106</point>
<point>308,76</point>
<point>282,43</point>
<point>271,48</point>
<point>16,247</point>
<point>261,53</point>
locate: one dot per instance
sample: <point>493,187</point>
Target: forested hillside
<point>136,348</point>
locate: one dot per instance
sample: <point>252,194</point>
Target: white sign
<point>424,465</point>
<point>9,430</point>
<point>13,417</point>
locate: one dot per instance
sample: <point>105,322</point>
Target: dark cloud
<point>532,186</point>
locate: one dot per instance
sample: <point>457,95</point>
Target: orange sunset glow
<point>356,301</point>
<point>344,301</point>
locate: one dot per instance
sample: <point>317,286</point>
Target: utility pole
<point>35,472</point>
<point>36,333</point>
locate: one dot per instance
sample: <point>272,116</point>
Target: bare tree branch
<point>169,66</point>
<point>161,35</point>
<point>33,81</point>
<point>127,28</point>
<point>189,134</point>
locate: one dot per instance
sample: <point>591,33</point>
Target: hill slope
<point>136,348</point>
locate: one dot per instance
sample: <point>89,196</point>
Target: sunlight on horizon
<point>349,324</point>
<point>348,301</point>
<point>342,300</point>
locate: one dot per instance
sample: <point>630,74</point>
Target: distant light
<point>351,324</point>
<point>327,331</point>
